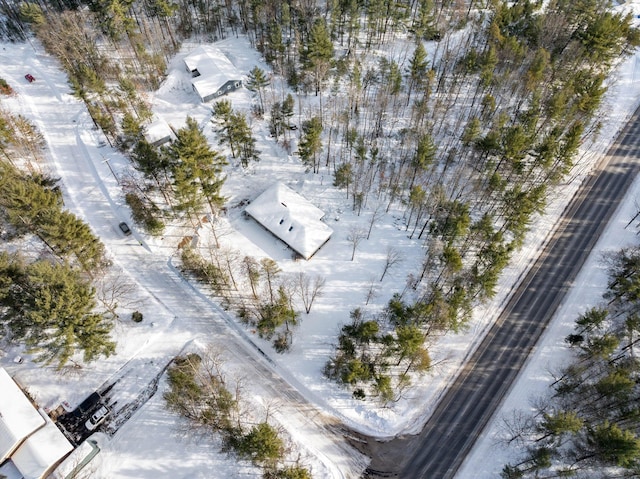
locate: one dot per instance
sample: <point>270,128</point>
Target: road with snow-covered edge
<point>468,405</point>
<point>190,317</point>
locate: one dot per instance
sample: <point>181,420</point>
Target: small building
<point>18,417</point>
<point>291,218</point>
<point>212,73</point>
<point>158,132</point>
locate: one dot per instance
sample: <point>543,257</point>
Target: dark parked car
<point>30,78</point>
<point>125,228</point>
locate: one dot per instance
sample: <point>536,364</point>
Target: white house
<point>291,218</point>
<point>18,417</point>
<point>212,73</point>
<point>42,451</point>
<point>31,445</point>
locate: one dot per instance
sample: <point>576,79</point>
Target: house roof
<point>76,461</point>
<point>18,417</point>
<point>214,67</point>
<point>158,131</point>
<point>40,451</point>
<point>291,218</point>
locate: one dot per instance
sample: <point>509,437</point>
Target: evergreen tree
<point>287,110</point>
<point>236,132</point>
<point>132,130</point>
<point>51,308</point>
<point>343,176</point>
<point>276,122</point>
<point>424,24</point>
<point>262,445</point>
<point>275,48</point>
<point>222,117</point>
<point>318,53</point>
<point>417,70</point>
<point>257,82</point>
<point>197,170</point>
<point>311,144</point>
<point>243,139</point>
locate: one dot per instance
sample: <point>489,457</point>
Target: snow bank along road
<point>189,316</point>
<point>470,402</point>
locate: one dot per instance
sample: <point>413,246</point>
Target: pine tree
<point>311,144</point>
<point>246,143</point>
<point>197,170</point>
<point>286,109</point>
<point>318,53</point>
<point>276,123</point>
<point>257,82</point>
<point>222,113</point>
<point>417,69</point>
<point>132,130</point>
<point>262,445</point>
<point>275,48</point>
<point>236,132</point>
<point>424,25</point>
<point>51,308</point>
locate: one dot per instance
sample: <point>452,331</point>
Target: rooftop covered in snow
<point>291,218</point>
<point>212,72</point>
<point>41,451</point>
<point>18,417</point>
<point>158,133</point>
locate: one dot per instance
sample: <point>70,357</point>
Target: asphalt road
<point>470,402</point>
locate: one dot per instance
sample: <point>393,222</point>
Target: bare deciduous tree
<point>375,216</point>
<point>372,291</point>
<point>114,291</point>
<point>309,291</point>
<point>393,258</point>
<point>355,237</point>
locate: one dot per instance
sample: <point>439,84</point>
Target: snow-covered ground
<point>179,318</point>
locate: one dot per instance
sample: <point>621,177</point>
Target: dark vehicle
<point>30,78</point>
<point>124,227</point>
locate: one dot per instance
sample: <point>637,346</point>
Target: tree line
<point>590,421</point>
<point>48,302</point>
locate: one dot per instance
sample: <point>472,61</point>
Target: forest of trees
<point>47,303</point>
<point>467,142</point>
<point>591,418</point>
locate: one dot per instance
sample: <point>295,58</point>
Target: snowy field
<point>179,318</point>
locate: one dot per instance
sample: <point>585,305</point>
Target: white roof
<point>76,460</point>
<point>18,417</point>
<point>291,218</point>
<point>156,131</point>
<point>214,67</point>
<point>40,451</point>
